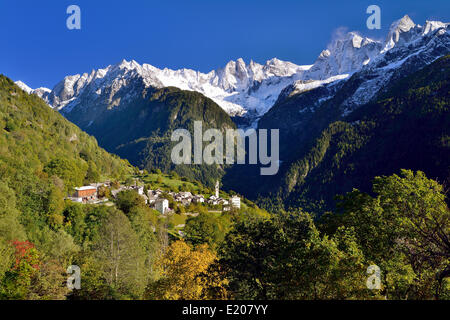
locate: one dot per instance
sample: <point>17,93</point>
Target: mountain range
<point>239,88</point>
<point>336,135</point>
<point>132,108</point>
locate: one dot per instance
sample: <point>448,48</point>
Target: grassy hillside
<point>43,156</point>
<point>37,141</point>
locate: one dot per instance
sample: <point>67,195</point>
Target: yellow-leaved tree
<point>184,273</point>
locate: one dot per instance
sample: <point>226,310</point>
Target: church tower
<point>217,188</point>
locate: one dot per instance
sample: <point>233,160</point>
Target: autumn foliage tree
<point>182,271</point>
<point>26,265</point>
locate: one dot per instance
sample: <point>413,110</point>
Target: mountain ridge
<point>241,89</point>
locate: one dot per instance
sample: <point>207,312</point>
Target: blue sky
<point>37,48</point>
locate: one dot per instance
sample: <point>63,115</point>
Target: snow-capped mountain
<point>41,92</point>
<point>251,89</point>
<point>238,87</point>
<point>24,87</point>
<point>407,48</point>
<point>344,56</point>
<point>386,115</point>
<point>399,33</point>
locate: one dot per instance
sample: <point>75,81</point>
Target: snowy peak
<point>23,86</point>
<point>431,26</point>
<point>239,76</point>
<point>131,65</point>
<point>408,47</point>
<point>242,88</point>
<point>234,76</point>
<point>237,87</point>
<point>278,68</point>
<point>345,55</point>
<point>402,25</point>
<point>351,52</point>
<point>405,31</point>
<point>101,82</point>
<point>398,32</point>
<point>40,92</point>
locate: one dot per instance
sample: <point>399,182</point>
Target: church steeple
<point>217,189</point>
